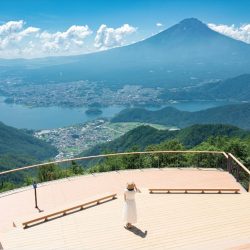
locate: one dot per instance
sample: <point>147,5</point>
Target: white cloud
<point>64,41</point>
<point>159,24</point>
<point>18,41</point>
<point>11,27</point>
<point>109,37</point>
<point>240,33</point>
<point>28,31</point>
<point>13,32</point>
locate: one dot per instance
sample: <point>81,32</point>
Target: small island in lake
<point>93,111</point>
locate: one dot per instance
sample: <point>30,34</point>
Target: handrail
<point>107,155</point>
<point>234,166</point>
<point>239,163</point>
<point>226,155</point>
<point>64,211</point>
<point>202,190</point>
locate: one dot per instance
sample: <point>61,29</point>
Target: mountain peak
<point>186,32</point>
<point>192,23</point>
<point>191,20</point>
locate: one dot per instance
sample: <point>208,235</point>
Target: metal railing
<point>149,159</point>
<point>239,171</point>
<point>111,155</point>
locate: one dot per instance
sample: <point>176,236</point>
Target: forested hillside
<point>143,136</point>
<point>198,137</point>
<point>19,148</point>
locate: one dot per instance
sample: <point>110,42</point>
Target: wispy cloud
<point>159,24</point>
<point>241,33</point>
<point>109,37</point>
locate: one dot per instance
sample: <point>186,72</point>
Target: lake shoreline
<point>37,118</point>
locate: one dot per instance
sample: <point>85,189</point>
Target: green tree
<point>167,159</point>
<point>132,161</point>
<point>48,173</point>
<point>76,169</point>
<point>7,185</point>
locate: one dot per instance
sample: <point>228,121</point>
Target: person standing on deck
<point>129,210</point>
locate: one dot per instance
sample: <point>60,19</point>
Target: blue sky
<point>54,16</point>
<point>59,14</point>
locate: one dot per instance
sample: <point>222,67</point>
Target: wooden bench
<point>202,190</point>
<point>63,212</point>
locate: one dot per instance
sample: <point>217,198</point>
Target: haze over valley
<point>185,75</point>
<point>186,63</point>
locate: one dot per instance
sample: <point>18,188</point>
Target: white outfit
<point>129,210</point>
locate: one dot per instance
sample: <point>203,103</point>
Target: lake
<point>53,117</point>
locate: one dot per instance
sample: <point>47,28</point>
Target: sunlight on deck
<point>165,221</point>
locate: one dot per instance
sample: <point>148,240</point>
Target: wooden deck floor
<point>175,221</point>
<point>165,221</point>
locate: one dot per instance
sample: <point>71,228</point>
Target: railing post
<point>158,160</point>
<point>248,185</point>
<point>224,160</point>
<point>177,159</point>
<point>140,161</point>
<point>237,173</point>
<point>229,164</point>
<point>116,164</point>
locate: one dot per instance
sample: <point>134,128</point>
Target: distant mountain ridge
<point>234,89</point>
<point>237,88</point>
<point>188,52</point>
<point>235,114</point>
